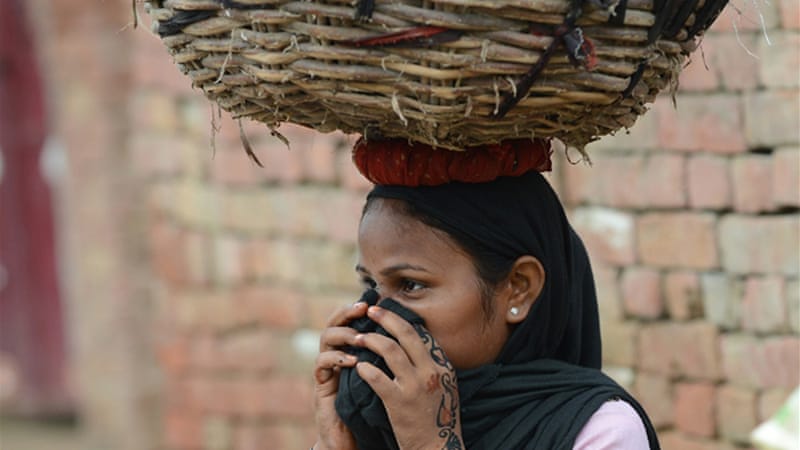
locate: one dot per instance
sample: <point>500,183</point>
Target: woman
<point>492,306</point>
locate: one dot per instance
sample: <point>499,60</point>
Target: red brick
<point>182,430</point>
<point>701,123</point>
<point>233,167</point>
<point>690,349</point>
<point>213,395</point>
<point>770,401</point>
<point>709,182</point>
<point>780,60</point>
<point>793,302</point>
<point>168,253</point>
<point>613,180</point>
<point>765,244</point>
<point>352,180</point>
<point>736,413</point>
<point>321,307</point>
<point>677,240</point>
<point>341,211</point>
<point>641,293</point>
<point>576,181</point>
<point>694,409</point>
<point>228,135</point>
<point>155,155</point>
<point>281,164</point>
<point>619,343</point>
<point>257,260</point>
<point>789,14</point>
<point>248,350</point>
<point>696,76</point>
<point>271,306</point>
<point>697,350</point>
<point>609,299</point>
<point>771,118</point>
<point>239,351</point>
<point>173,355</point>
<point>721,300</point>
<point>253,436</point>
<point>643,136</point>
<point>155,112</point>
<point>677,441</point>
<point>739,356</point>
<point>198,257</point>
<point>752,186</point>
<point>153,67</point>
<point>768,363</point>
<point>683,295</point>
<point>217,432</point>
<point>764,307</point>
<point>665,180</point>
<point>254,212</point>
<point>778,363</point>
<point>654,392</point>
<point>321,159</point>
<point>786,177</point>
<point>607,234</point>
<point>747,17</point>
<point>275,398</point>
<point>228,268</point>
<point>209,310</point>
<point>727,55</point>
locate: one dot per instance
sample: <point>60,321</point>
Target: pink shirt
<point>615,426</point>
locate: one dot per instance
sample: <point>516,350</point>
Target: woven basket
<point>448,73</point>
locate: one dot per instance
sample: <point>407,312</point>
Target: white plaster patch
<point>614,225</point>
<point>305,343</point>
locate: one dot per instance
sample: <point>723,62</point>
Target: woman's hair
<point>491,267</point>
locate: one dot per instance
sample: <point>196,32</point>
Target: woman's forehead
<point>388,234</point>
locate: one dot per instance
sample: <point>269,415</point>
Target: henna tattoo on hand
<point>436,352</point>
<point>447,414</point>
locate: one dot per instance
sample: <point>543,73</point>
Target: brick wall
<point>691,219</point>
<point>692,224</point>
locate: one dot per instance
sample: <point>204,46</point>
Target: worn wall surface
<point>222,272</point>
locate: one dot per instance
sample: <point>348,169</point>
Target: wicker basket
<point>448,73</point>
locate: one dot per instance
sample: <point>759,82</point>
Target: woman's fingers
<point>384,387</point>
<point>328,362</point>
<point>391,352</point>
<point>417,345</point>
<point>335,337</point>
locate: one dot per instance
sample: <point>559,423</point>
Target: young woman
<point>488,294</point>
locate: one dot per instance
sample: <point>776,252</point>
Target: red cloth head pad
<point>399,162</point>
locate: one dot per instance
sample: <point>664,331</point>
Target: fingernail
<point>375,311</point>
<point>359,338</point>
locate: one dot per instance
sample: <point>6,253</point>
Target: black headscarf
<point>546,383</point>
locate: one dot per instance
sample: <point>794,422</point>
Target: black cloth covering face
<point>356,403</point>
<point>546,383</point>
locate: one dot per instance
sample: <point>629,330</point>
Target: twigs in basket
<point>580,51</point>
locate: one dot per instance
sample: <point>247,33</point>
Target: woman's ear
<point>525,280</point>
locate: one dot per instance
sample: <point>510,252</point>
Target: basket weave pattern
<point>449,73</point>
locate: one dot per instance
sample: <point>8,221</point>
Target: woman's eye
<point>411,286</point>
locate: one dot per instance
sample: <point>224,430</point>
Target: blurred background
<point>160,291</point>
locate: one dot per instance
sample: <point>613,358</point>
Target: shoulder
<point>614,426</point>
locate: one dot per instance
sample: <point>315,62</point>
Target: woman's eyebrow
<point>392,269</point>
<point>398,267</point>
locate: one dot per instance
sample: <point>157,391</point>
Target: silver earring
<point>514,311</point>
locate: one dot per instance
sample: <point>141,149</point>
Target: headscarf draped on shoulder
<point>546,383</point>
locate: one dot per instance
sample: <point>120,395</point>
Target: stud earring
<point>514,310</point>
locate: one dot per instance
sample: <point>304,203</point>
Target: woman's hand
<point>332,432</point>
<point>422,399</point>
